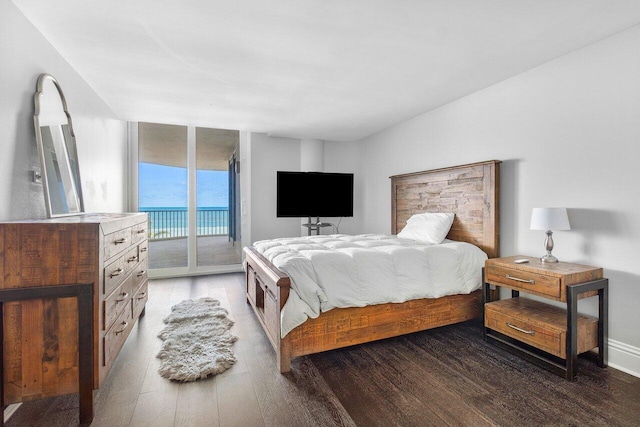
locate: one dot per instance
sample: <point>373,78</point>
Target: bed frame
<point>470,191</point>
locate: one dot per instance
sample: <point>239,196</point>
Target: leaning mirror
<point>57,150</point>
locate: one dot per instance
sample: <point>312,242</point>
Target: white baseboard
<point>624,357</point>
<point>10,410</point>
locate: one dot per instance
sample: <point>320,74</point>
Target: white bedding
<point>340,270</point>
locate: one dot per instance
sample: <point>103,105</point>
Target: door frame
<point>192,269</point>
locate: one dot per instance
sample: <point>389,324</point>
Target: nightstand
<point>545,334</point>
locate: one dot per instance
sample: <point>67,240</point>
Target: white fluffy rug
<point>196,341</point>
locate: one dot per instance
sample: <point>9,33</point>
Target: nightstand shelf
<point>545,334</point>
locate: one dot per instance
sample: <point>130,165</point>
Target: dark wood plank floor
<point>451,377</point>
<point>444,377</point>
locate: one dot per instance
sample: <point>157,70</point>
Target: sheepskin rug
<point>196,341</point>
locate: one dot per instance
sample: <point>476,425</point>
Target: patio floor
<point>212,250</point>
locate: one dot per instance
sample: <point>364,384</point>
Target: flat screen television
<point>314,194</point>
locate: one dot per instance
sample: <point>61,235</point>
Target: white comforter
<point>340,270</point>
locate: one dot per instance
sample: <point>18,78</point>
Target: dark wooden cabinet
<point>40,336</point>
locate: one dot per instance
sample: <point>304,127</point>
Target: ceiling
<point>163,144</point>
<point>326,69</point>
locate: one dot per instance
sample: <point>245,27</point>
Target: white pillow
<point>430,227</point>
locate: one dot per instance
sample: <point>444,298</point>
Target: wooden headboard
<point>470,191</point>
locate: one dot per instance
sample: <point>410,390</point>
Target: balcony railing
<point>172,223</point>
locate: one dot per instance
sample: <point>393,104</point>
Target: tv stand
<point>316,226</point>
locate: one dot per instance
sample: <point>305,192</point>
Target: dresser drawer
<point>143,249</point>
<point>139,275</point>
<point>131,259</point>
<point>140,299</point>
<point>116,336</point>
<point>116,302</point>
<point>114,274</point>
<point>139,232</point>
<point>117,242</point>
<point>533,282</point>
<point>540,325</point>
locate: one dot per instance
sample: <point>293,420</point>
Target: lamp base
<point>548,245</point>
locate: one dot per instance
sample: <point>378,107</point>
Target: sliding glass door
<point>163,192</point>
<point>187,182</point>
<point>215,197</point>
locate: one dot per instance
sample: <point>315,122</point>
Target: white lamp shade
<point>550,219</point>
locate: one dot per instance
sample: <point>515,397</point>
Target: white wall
<point>266,155</point>
<point>569,135</point>
<point>342,157</point>
<point>312,155</point>
<point>269,155</point>
<point>101,137</point>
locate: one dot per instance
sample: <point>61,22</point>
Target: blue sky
<point>166,186</point>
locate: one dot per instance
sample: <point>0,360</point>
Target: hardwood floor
<point>251,393</point>
<point>450,377</point>
<point>444,377</point>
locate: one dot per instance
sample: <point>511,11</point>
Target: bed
<point>470,192</point>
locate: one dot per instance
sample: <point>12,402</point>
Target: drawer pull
<point>116,273</point>
<point>119,241</point>
<point>520,280</point>
<point>142,295</point>
<point>124,327</point>
<point>143,249</point>
<point>141,273</point>
<point>140,231</point>
<point>524,331</point>
<point>132,259</point>
<point>123,296</point>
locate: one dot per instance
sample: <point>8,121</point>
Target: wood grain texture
<point>41,336</point>
<point>40,382</point>
<point>42,253</point>
<point>548,324</point>
<point>550,280</point>
<point>399,381</point>
<point>470,191</point>
<point>343,327</point>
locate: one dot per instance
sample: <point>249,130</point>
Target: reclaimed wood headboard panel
<point>470,191</point>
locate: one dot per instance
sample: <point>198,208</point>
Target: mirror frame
<point>42,79</point>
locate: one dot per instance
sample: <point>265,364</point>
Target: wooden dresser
<point>40,337</point>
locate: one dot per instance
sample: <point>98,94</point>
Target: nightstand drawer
<point>540,325</point>
<point>527,281</point>
<point>520,323</point>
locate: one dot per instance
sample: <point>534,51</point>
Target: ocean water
<point>172,222</point>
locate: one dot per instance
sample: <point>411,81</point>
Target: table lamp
<point>549,219</point>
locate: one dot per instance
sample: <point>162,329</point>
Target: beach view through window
<point>163,193</point>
